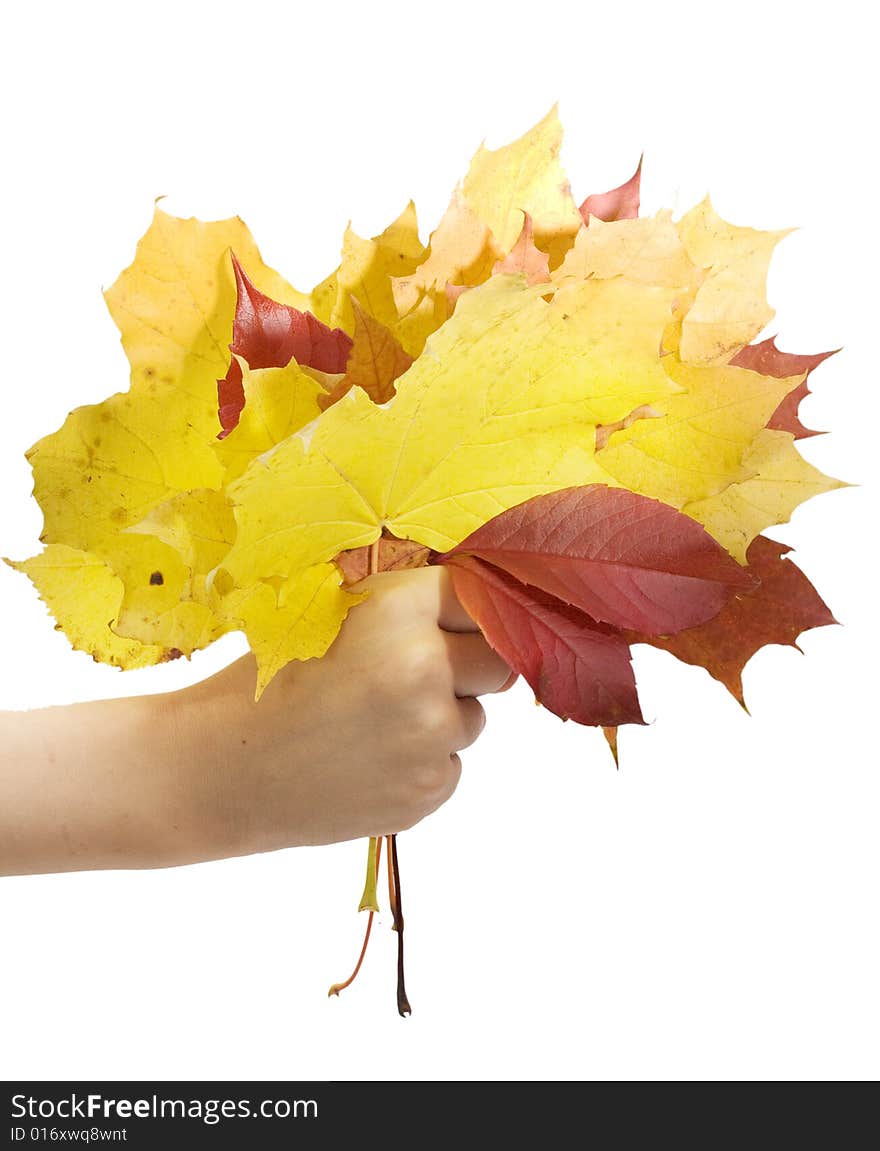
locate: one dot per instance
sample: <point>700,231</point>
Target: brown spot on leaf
<point>157,579</point>
<point>169,654</point>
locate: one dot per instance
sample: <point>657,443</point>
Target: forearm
<point>110,784</point>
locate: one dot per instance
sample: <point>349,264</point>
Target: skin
<point>361,742</point>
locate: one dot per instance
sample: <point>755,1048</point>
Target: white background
<point>710,911</point>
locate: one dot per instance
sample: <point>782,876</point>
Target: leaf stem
<point>370,899</point>
<point>392,900</point>
<point>337,987</point>
<point>403,1007</point>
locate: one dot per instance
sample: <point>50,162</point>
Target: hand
<point>361,742</point>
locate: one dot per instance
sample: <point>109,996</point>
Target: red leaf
<point>576,668</point>
<point>618,556</point>
<point>619,204</point>
<point>777,611</point>
<point>767,359</point>
<point>269,335</point>
<point>230,399</point>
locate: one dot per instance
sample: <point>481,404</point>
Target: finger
<point>476,668</point>
<point>472,720</point>
<point>451,616</point>
<point>511,680</point>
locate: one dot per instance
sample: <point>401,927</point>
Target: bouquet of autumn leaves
<point>559,402</point>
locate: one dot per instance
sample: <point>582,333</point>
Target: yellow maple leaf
<point>110,463</point>
<point>200,527</point>
<point>695,448</point>
<point>288,619</point>
<point>80,590</point>
<point>730,306</point>
<point>525,176</point>
<point>365,272</point>
<point>461,251</point>
<point>101,473</point>
<point>778,480</point>
<point>278,402</point>
<point>647,250</point>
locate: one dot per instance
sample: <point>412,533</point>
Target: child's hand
<point>361,742</point>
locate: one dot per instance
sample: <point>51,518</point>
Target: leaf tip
<point>610,734</point>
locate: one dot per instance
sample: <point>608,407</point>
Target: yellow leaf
<point>696,448</point>
<point>365,272</point>
<point>84,595</point>
<point>400,241</point>
<point>110,463</point>
<point>200,527</point>
<point>730,307</point>
<point>461,251</point>
<point>500,407</point>
<point>156,606</point>
<point>298,619</point>
<point>102,472</point>
<point>779,480</point>
<point>647,250</point>
<point>174,306</point>
<point>525,176</point>
<point>278,402</point>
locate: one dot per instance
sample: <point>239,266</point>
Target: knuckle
<point>419,662</point>
<point>473,720</point>
<point>432,779</point>
<point>436,782</point>
<point>436,720</point>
